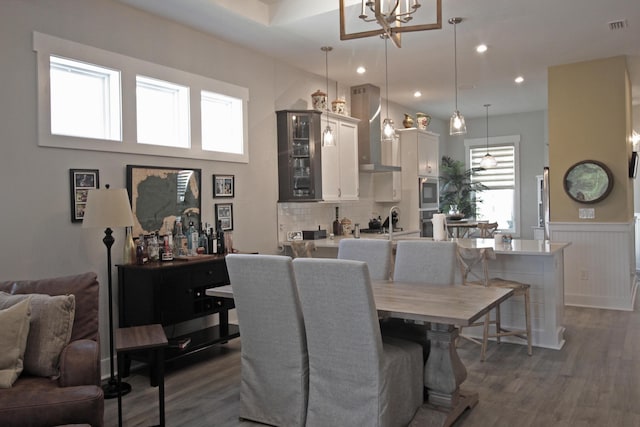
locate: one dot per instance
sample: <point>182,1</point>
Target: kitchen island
<point>540,263</point>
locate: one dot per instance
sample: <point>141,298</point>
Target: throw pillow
<point>13,341</point>
<point>49,331</point>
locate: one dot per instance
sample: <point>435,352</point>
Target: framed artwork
<point>80,182</point>
<point>588,181</point>
<point>224,213</point>
<point>223,186</point>
<point>160,195</point>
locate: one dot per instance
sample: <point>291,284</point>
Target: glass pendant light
<point>327,134</point>
<point>457,125</point>
<point>388,130</point>
<point>488,161</point>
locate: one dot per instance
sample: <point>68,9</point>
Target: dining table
<point>444,308</point>
<point>461,228</point>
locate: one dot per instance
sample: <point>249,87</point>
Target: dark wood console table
<point>172,292</point>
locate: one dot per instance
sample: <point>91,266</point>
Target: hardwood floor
<point>593,381</point>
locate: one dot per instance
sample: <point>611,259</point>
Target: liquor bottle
<point>213,244</point>
<point>220,238</point>
<point>202,241</point>
<point>153,248</point>
<point>129,255</point>
<point>180,241</point>
<point>141,256</point>
<point>337,227</point>
<point>167,253</point>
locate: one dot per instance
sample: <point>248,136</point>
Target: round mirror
<point>588,181</point>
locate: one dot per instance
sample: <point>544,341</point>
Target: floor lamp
<point>108,208</point>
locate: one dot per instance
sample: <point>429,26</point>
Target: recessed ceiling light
<point>482,48</point>
<point>361,70</point>
<point>519,79</point>
<point>417,94</point>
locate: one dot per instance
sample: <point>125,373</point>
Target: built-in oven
<point>428,187</point>
<point>426,225</point>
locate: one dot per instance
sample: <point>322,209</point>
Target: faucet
<point>393,208</point>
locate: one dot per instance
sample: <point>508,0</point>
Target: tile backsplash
<point>308,216</point>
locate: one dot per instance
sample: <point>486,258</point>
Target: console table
<point>172,292</point>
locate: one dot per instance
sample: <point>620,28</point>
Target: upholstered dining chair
<point>376,253</point>
<point>474,270</point>
<point>420,261</point>
<point>274,359</point>
<point>356,378</point>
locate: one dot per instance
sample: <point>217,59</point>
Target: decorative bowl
<point>455,217</point>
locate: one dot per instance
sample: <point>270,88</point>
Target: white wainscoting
<point>600,264</point>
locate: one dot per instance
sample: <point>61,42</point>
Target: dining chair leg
<point>485,336</point>
<point>527,315</point>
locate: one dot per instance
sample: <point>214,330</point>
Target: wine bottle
<point>337,227</point>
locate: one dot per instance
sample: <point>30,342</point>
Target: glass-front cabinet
<point>299,155</point>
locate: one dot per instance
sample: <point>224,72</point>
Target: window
<point>93,99</point>
<point>221,123</point>
<point>85,100</point>
<point>500,202</point>
<point>162,112</point>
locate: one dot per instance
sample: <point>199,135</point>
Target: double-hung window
<point>501,200</point>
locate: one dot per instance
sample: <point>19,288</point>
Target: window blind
<point>503,175</point>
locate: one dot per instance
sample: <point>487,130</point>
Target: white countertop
<point>516,247</point>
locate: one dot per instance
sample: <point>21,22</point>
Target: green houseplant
<point>457,188</point>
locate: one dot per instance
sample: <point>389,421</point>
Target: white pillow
<point>13,341</point>
<point>49,331</point>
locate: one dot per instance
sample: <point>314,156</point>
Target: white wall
<point>37,238</point>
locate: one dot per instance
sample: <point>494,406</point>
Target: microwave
<point>428,197</point>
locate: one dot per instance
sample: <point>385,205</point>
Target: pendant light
<point>388,130</point>
<point>456,123</point>
<point>327,134</point>
<point>488,161</point>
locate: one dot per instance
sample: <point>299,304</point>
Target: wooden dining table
<point>461,228</point>
<point>444,308</point>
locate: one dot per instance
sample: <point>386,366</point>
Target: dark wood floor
<point>593,381</point>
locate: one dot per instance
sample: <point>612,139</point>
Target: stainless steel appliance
<point>426,226</point>
<point>428,187</point>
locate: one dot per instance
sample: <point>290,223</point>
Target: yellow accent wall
<point>590,119</point>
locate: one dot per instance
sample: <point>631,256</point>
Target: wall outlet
<point>586,213</point>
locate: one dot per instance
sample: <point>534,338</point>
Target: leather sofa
<point>76,396</point>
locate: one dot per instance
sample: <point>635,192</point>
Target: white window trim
<point>501,140</point>
<point>46,45</point>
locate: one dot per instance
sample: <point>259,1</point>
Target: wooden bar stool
<point>472,259</point>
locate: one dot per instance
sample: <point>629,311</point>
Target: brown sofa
<point>76,397</point>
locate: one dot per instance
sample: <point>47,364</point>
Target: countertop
<point>516,247</point>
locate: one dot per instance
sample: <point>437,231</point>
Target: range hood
<point>365,105</point>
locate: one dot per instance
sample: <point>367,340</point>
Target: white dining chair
<point>377,253</point>
<point>474,270</point>
<point>355,377</point>
<point>420,261</point>
<point>274,357</point>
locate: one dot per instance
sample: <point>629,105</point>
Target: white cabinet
<point>387,186</point>
<point>419,157</point>
<point>340,180</point>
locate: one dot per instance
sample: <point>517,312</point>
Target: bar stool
<point>469,261</point>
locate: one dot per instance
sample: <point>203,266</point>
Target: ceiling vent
<point>618,25</point>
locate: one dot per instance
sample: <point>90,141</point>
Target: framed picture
<point>223,186</point>
<point>80,182</point>
<point>224,213</point>
<point>160,195</point>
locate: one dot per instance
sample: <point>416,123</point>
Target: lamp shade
<point>108,207</point>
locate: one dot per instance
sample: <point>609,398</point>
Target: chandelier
<point>390,15</point>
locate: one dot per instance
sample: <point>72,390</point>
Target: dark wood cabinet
<point>172,292</point>
<point>299,156</point>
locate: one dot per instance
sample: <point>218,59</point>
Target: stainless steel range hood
<point>365,105</point>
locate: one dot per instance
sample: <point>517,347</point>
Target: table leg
<point>443,374</point>
<point>160,376</point>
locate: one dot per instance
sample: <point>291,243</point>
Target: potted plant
<point>458,193</point>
